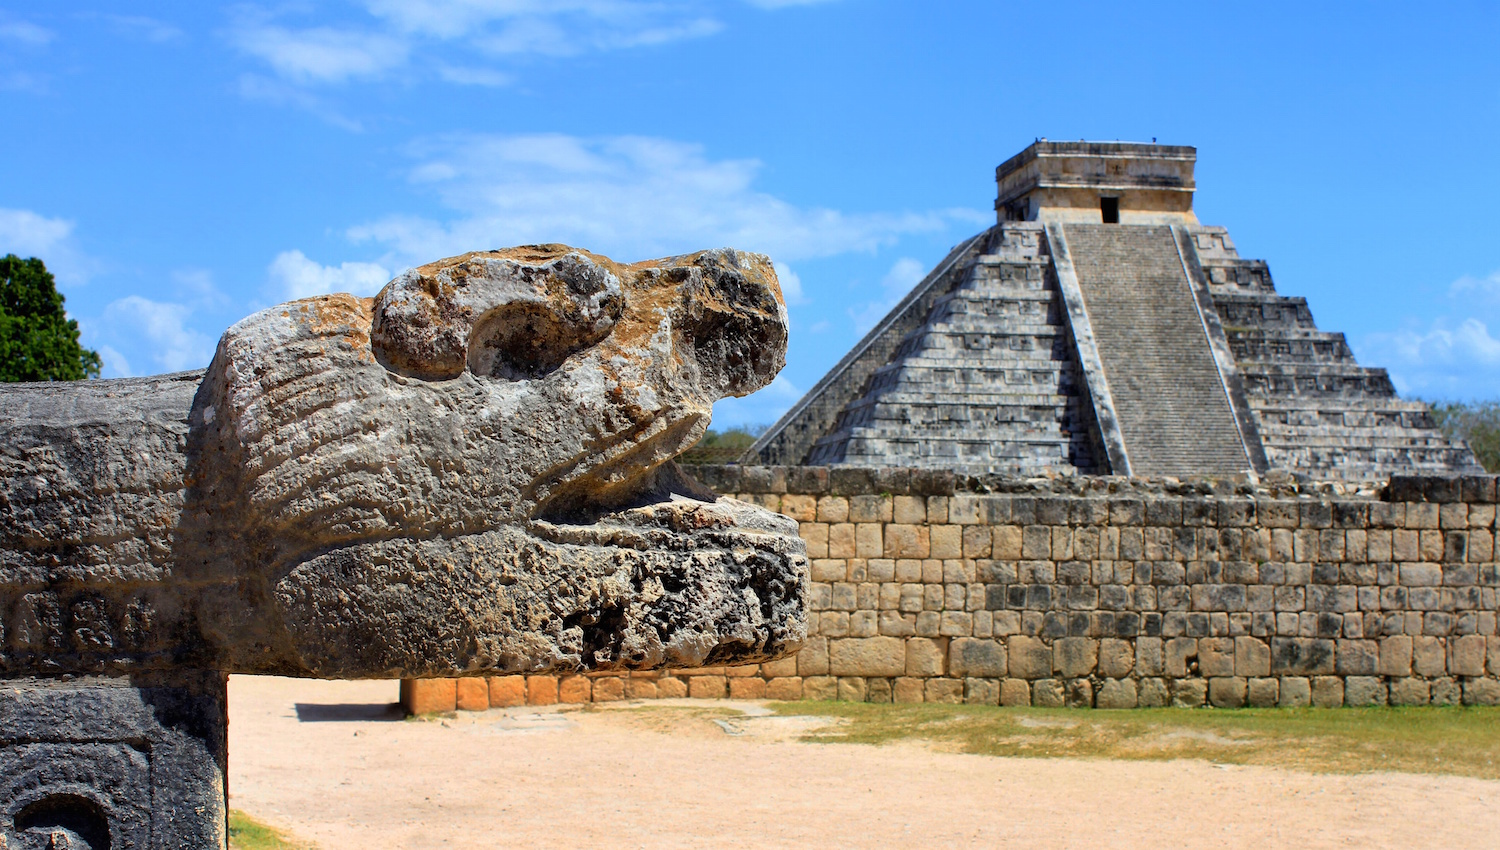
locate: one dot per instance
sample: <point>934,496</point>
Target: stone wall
<point>1108,592</point>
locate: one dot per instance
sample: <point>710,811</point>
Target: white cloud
<point>28,234</point>
<point>155,329</point>
<point>322,54</point>
<point>1445,360</point>
<point>1485,287</point>
<point>255,87</point>
<point>791,284</point>
<point>630,197</point>
<point>296,276</point>
<point>431,37</point>
<point>25,33</point>
<point>905,273</point>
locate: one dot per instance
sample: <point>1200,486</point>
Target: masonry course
<point>1107,592</point>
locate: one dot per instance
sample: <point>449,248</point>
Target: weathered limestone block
<point>468,473</point>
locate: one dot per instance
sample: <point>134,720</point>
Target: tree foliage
<point>722,446</point>
<point>38,342</point>
<point>1478,422</point>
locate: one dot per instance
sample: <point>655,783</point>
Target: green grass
<point>247,833</point>
<point>1456,741</point>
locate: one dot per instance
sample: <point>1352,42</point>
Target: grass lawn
<point>246,833</point>
<point>1457,741</point>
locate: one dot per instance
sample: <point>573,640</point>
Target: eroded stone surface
<point>470,472</point>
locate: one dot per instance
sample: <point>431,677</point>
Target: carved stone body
<point>470,472</point>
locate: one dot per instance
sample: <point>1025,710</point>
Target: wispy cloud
<point>29,234</point>
<point>1455,356</point>
<point>321,54</point>
<point>296,276</point>
<point>23,32</point>
<point>905,273</point>
<point>462,42</point>
<point>155,332</point>
<point>277,93</point>
<point>628,196</point>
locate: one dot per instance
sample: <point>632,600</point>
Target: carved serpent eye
<point>499,316</point>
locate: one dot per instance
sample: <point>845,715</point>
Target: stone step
<point>1169,400</point>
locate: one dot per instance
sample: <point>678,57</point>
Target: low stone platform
<point>1107,592</point>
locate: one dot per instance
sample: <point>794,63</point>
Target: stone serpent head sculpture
<point>470,472</point>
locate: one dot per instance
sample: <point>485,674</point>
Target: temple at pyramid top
<point>1098,328</point>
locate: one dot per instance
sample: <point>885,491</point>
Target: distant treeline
<point>724,446</point>
<point>1478,422</point>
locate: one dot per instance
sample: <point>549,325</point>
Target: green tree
<point>1478,422</point>
<point>38,342</point>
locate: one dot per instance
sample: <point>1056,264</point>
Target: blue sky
<point>182,164</point>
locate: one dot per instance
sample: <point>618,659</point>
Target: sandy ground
<point>333,763</point>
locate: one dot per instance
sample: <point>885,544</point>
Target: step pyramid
<point>1098,328</point>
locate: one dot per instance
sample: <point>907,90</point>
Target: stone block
<point>786,689</point>
<point>639,688</point>
<point>867,541</point>
<point>812,659</point>
<point>833,509</point>
<point>871,656</point>
<point>906,689</point>
<point>904,541</point>
<point>1364,691</point>
<point>800,508</point>
<point>1149,658</point>
<point>1483,691</point>
<point>1358,658</point>
<point>1327,691</point>
<point>1117,693</point>
<point>851,689</point>
<point>541,690</point>
<point>1153,692</point>
<point>1467,655</point>
<point>923,657</point>
<point>1189,693</point>
<point>1262,692</point>
<point>1116,658</point>
<point>1006,543</point>
<point>949,691</point>
<point>1075,656</point>
<point>1395,656</point>
<point>780,668</point>
<point>1078,693</point>
<point>1295,692</point>
<point>981,691</point>
<point>976,658</point>
<point>1446,691</point>
<point>429,696</point>
<point>824,688</point>
<point>604,689</point>
<point>1029,657</point>
<point>1302,656</point>
<point>671,687</point>
<point>1216,656</point>
<point>1015,692</point>
<point>945,541</point>
<point>1048,693</point>
<point>1227,691</point>
<point>1428,656</point>
<point>471,694</point>
<point>1409,690</point>
<point>878,691</point>
<point>1252,657</point>
<point>1181,657</point>
<point>507,691</point>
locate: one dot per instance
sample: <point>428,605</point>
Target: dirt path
<point>350,774</point>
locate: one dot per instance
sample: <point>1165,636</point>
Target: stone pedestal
<point>103,762</point>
